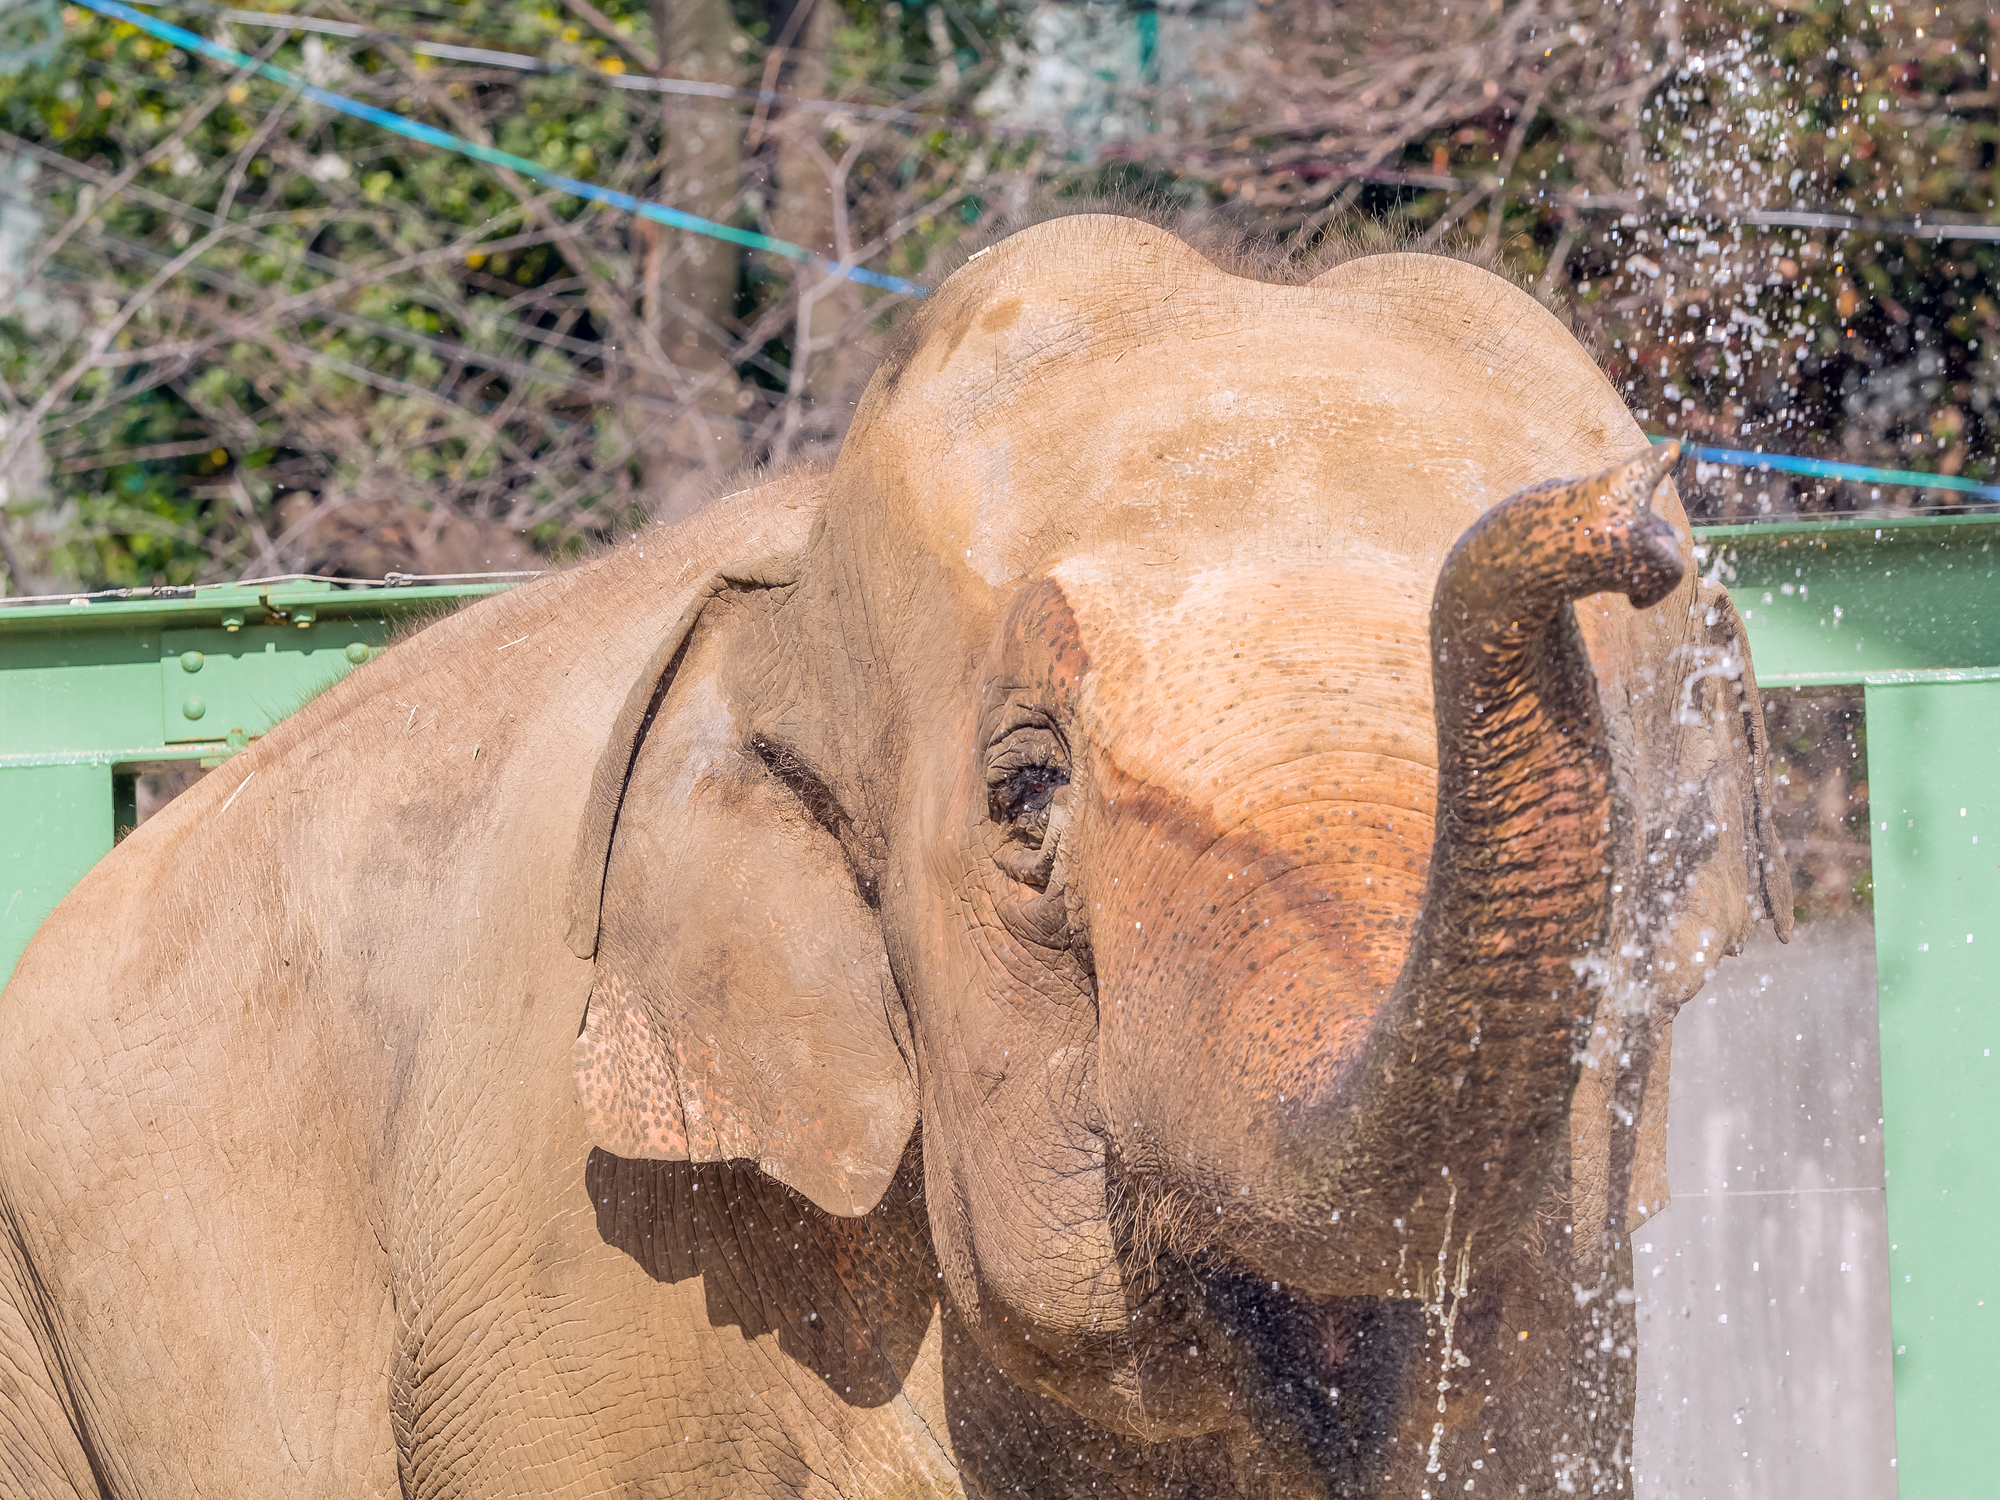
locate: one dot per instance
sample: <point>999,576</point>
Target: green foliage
<point>376,316</point>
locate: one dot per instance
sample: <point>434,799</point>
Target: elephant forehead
<point>1188,448</point>
<point>1096,379</point>
<point>1218,684</point>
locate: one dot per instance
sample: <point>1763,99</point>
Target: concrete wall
<point>1764,1287</point>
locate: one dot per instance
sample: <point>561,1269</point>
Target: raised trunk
<point>1468,1081</point>
<point>1391,1130</point>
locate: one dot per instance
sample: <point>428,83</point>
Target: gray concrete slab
<point>1764,1288</point>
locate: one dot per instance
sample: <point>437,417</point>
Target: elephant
<point>1119,939</point>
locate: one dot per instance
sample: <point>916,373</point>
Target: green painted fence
<point>92,688</point>
<point>1908,611</point>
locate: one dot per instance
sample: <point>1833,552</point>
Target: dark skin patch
<point>1041,647</point>
<point>1329,1377</point>
<point>1001,316</point>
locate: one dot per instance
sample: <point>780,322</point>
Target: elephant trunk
<point>1384,1126</point>
<point>1469,1080</point>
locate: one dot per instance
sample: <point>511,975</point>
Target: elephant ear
<point>1725,753</point>
<point>741,1006</point>
<point>1728,683</point>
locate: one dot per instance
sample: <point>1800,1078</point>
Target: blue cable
<point>430,135</point>
<point>1826,468</point>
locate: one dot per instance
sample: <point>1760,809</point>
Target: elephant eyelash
<point>798,778</point>
<point>1023,797</point>
<point>823,807</point>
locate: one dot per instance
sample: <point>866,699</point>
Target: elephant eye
<point>1025,769</point>
<point>1022,799</point>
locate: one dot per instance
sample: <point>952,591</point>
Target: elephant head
<point>1173,772</point>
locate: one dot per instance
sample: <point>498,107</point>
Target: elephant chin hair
<point>1328,1380</point>
<point>1323,1381</point>
<point>1154,1220</point>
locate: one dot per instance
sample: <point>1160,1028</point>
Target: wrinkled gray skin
<point>506,1078</point>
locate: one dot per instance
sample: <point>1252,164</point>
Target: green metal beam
<point>1832,602</point>
<point>57,824</point>
<point>1910,611</point>
<point>1934,797</point>
<point>94,686</point>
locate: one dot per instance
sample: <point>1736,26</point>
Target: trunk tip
<point>1653,563</point>
<point>1645,472</point>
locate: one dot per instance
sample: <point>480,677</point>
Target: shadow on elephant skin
<point>849,1299</point>
<point>852,1300</point>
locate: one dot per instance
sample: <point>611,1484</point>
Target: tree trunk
<point>690,415</point>
<point>830,363</point>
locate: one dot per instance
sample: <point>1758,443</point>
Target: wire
<point>430,135</point>
<point>638,82</point>
<point>308,305</point>
<point>515,328</point>
<point>1908,229</point>
<point>679,219</point>
<point>1826,468</point>
<point>697,88</point>
<point>190,590</point>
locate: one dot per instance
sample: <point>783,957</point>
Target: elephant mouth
<point>1325,1381</point>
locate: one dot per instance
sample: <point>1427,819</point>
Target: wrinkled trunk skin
<point>1422,1122</point>
<point>1494,1004</point>
<point>1403,1144</point>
